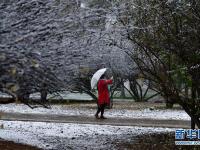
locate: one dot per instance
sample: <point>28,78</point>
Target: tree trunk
<point>43,96</point>
<point>186,92</point>
<point>122,92</point>
<point>194,119</point>
<point>192,124</point>
<point>193,103</point>
<point>169,103</point>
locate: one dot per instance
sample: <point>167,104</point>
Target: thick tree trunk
<point>192,124</point>
<point>194,119</point>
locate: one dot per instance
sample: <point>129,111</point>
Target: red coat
<point>103,93</point>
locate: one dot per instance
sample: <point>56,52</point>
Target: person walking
<point>103,95</point>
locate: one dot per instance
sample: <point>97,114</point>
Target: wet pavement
<point>92,120</point>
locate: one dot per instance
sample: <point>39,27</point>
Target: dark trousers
<point>101,109</point>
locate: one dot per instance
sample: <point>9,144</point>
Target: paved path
<point>92,120</point>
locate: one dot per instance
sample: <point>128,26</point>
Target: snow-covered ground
<point>71,136</point>
<point>64,136</point>
<point>121,113</point>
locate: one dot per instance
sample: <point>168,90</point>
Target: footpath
<point>92,120</point>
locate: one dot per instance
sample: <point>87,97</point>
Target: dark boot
<point>96,116</point>
<point>97,113</point>
<point>102,112</point>
<point>102,117</point>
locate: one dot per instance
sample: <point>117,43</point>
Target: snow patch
<point>53,135</point>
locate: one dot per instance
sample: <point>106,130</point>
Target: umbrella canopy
<point>96,77</point>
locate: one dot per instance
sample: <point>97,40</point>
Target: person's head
<point>103,76</point>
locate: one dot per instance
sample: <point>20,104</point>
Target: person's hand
<point>111,78</point>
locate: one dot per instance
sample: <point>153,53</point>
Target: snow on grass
<point>151,114</point>
<point>120,113</point>
<point>75,136</point>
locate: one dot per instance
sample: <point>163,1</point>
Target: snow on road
<point>71,136</point>
<point>121,113</point>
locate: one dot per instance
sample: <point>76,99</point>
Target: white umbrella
<point>96,77</point>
